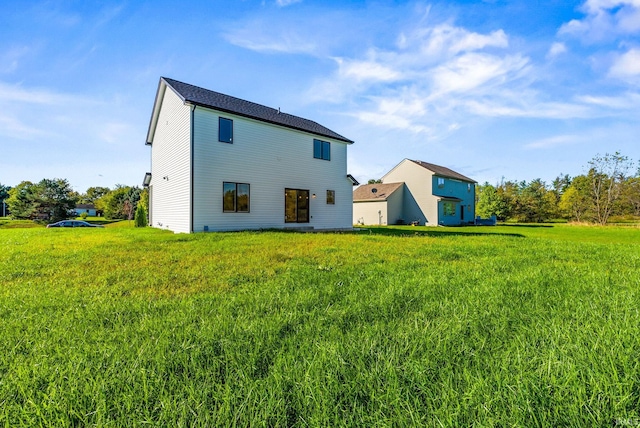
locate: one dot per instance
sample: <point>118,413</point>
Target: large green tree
<point>4,195</point>
<point>22,201</point>
<point>93,194</point>
<point>534,202</point>
<point>56,199</point>
<point>120,203</point>
<point>629,202</point>
<point>491,202</point>
<point>576,203</point>
<point>49,199</point>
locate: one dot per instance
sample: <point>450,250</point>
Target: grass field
<point>399,326</point>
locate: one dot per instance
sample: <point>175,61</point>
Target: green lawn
<point>400,326</point>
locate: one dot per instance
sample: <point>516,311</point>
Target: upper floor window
<point>321,149</point>
<point>468,187</point>
<point>440,182</point>
<point>235,197</point>
<point>225,130</point>
<point>331,197</point>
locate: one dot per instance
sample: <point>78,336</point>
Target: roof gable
<point>382,191</point>
<point>215,100</point>
<point>442,171</point>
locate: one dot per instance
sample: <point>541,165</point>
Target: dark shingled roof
<point>217,101</point>
<point>383,191</point>
<point>442,171</point>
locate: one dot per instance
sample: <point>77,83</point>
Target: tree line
<point>51,200</point>
<point>609,188</point>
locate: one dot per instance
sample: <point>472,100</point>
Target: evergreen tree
<point>141,216</point>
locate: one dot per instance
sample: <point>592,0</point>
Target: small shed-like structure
<point>378,203</point>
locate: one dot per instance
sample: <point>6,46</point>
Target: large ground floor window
<point>235,197</point>
<point>296,206</point>
<point>449,208</point>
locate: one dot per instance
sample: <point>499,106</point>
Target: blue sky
<point>492,89</point>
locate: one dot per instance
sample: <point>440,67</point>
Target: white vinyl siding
<point>370,213</point>
<point>171,166</point>
<point>269,158</point>
<point>380,212</point>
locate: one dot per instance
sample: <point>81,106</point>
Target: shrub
<point>140,219</point>
<point>84,215</point>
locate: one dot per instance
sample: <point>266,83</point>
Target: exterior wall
<point>465,209</point>
<point>379,212</point>
<point>171,166</point>
<point>91,212</point>
<point>269,158</point>
<point>418,200</point>
<point>370,213</point>
<point>423,198</point>
<point>395,206</point>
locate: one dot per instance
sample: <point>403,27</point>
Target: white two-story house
<point>222,163</point>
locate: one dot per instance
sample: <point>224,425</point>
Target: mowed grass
<point>398,326</point>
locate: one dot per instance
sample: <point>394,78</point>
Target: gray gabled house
<point>416,192</point>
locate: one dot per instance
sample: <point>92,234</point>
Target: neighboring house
<point>90,209</point>
<point>416,192</point>
<point>222,163</point>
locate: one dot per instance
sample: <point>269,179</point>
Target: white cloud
<point>366,70</point>
<point>605,20</point>
<point>473,70</point>
<point>626,66</point>
<point>259,39</point>
<point>446,39</point>
<point>12,127</point>
<point>17,93</point>
<point>527,108</point>
<point>391,121</point>
<point>424,80</point>
<point>626,101</point>
<point>552,142</point>
<point>556,49</point>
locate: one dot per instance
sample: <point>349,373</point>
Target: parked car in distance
<point>73,223</point>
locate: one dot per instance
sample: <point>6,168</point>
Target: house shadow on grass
<point>434,232</point>
<point>530,225</point>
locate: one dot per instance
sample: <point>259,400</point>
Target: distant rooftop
<point>375,192</point>
<point>442,171</point>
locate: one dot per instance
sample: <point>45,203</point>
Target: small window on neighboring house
<point>321,149</point>
<point>468,187</point>
<point>235,197</point>
<point>331,197</point>
<point>440,182</point>
<point>225,130</point>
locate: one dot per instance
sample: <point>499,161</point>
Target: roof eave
<point>153,121</point>
<point>229,111</point>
